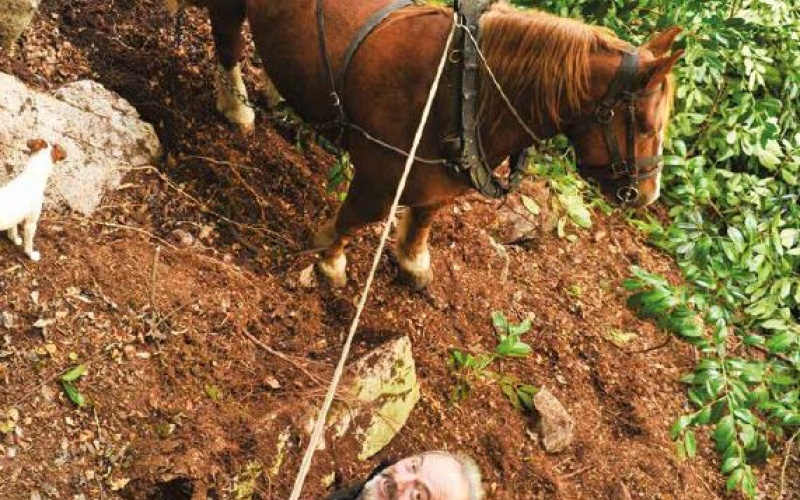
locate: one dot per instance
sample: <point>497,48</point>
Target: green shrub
<point>731,186</point>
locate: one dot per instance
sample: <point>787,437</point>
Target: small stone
<point>183,238</point>
<point>273,383</point>
<point>7,319</point>
<point>556,426</point>
<point>307,278</point>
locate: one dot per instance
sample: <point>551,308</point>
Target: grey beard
<point>370,491</point>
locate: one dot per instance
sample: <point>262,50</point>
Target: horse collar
<point>468,157</point>
<point>471,157</point>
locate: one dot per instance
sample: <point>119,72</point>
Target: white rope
<point>499,87</point>
<point>319,426</point>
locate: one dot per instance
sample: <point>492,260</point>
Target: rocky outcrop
<point>15,17</point>
<point>101,132</point>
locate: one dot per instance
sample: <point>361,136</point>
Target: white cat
<point>21,199</point>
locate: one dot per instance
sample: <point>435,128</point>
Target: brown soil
<point>177,388</point>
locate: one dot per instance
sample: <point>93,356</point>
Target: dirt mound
<point>179,392</point>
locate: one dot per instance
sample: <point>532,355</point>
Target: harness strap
<point>326,60</point>
<point>471,157</point>
<point>371,23</point>
<point>337,85</point>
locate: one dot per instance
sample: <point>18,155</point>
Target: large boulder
<point>380,394</point>
<point>15,17</point>
<point>101,132</point>
<point>373,404</point>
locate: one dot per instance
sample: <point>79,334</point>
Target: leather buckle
<point>603,114</point>
<point>619,168</point>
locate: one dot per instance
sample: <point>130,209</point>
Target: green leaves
<point>68,380</point>
<point>731,177</point>
<point>509,336</point>
<point>468,369</point>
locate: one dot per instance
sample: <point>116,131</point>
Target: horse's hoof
<point>334,272</point>
<point>17,241</point>
<point>35,256</point>
<point>416,271</point>
<point>418,280</point>
<point>242,116</point>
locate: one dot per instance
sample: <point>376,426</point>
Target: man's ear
<point>57,153</point>
<point>36,145</point>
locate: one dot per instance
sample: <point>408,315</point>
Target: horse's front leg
<point>364,204</point>
<point>227,18</point>
<point>411,250</point>
<point>333,264</point>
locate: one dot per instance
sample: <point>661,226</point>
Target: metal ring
<point>627,194</point>
<point>603,114</point>
<point>455,56</point>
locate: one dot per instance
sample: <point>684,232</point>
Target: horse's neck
<point>503,134</point>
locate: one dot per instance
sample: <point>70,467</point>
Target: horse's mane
<point>540,56</point>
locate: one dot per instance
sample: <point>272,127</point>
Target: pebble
<point>183,238</point>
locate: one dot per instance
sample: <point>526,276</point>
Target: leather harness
<point>463,145</point>
<point>626,172</point>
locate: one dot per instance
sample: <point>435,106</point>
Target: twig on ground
<point>139,230</point>
<point>577,472</point>
<point>282,356</point>
<point>154,320</point>
<point>203,207</point>
<point>786,464</point>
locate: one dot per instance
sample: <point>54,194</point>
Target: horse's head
<point>619,134</point>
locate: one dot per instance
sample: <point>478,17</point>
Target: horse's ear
<point>660,43</point>
<point>655,71</point>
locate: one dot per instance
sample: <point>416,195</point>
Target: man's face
<point>430,476</point>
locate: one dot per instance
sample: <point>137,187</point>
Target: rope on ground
<point>319,426</point>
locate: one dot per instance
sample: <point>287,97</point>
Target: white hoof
<point>35,256</point>
<point>239,114</point>
<point>335,271</point>
<point>415,271</point>
<point>17,241</point>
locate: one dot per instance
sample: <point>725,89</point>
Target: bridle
<point>626,172</point>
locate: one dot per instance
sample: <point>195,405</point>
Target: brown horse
<point>227,17</point>
<point>557,73</point>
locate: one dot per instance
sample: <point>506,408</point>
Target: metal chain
<point>242,98</point>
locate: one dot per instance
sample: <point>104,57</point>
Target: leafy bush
<point>732,189</point>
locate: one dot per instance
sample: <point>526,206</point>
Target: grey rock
<point>15,17</point>
<point>556,426</point>
<point>373,403</point>
<point>101,133</point>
